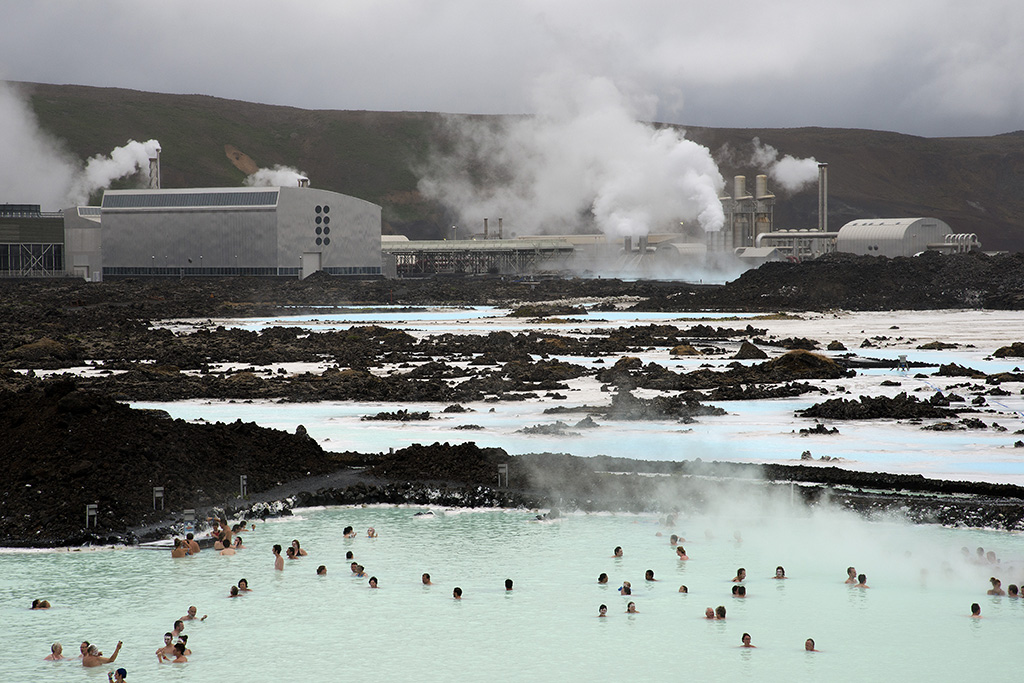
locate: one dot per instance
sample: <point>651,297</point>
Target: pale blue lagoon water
<point>908,626</point>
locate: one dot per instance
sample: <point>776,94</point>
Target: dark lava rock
<point>750,352</point>
<point>1014,350</point>
<point>835,346</point>
<point>65,447</point>
<point>899,407</point>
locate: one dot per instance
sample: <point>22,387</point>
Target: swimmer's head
<point>862,578</point>
<point>684,589</point>
<point>709,613</point>
<point>234,591</point>
<point>243,584</point>
<point>741,573</point>
<point>93,650</point>
<point>277,548</point>
<point>349,555</point>
<point>122,672</point>
<point>649,575</point>
<point>189,536</point>
<point>168,637</point>
<point>1012,590</point>
<point>321,570</point>
<point>84,647</point>
<point>508,584</point>
<point>742,592</point>
<point>373,582</point>
<point>602,610</point>
<point>746,639</point>
<point>852,573</point>
<point>618,551</point>
<point>779,572</point>
<point>673,539</point>
<point>425,578</point>
<point>809,644</point>
<point>457,593</point>
<point>735,590</point>
<point>179,625</point>
<point>56,648</point>
<point>602,578</point>
<point>720,612</point>
<point>179,649</point>
<point>975,609</point>
<point>192,611</point>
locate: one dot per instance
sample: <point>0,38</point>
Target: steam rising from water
<point>584,158</point>
<point>278,176</point>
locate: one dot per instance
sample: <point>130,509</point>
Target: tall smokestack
<point>823,197</point>
<point>485,228</point>
<point>499,229</point>
<point>154,170</point>
<point>739,187</point>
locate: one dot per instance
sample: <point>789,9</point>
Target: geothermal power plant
<point>297,231</point>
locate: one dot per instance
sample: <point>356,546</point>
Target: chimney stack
<point>154,171</point>
<point>499,229</point>
<point>485,228</point>
<point>823,197</point>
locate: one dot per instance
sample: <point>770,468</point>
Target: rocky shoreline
<point>71,440</point>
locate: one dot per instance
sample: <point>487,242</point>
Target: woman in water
<point>602,611</point>
<point>299,552</point>
<point>631,608</point>
<point>625,588</point>
<point>746,641</point>
<point>602,578</point>
<point>997,587</point>
<point>373,582</point>
<point>780,573</point>
<point>243,586</point>
<point>681,553</point>
<point>56,653</point>
<point>371,533</point>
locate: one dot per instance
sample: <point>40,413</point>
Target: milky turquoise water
<point>909,626</point>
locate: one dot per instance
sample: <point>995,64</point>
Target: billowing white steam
<point>124,161</point>
<point>791,173</point>
<point>584,156</point>
<point>35,170</point>
<point>278,176</point>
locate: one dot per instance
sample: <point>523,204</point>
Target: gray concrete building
<point>273,231</point>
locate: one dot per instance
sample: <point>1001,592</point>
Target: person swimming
<point>741,591</point>
<point>321,570</point>
<point>851,575</point>
<point>93,656</point>
<point>117,676</point>
<point>997,587</point>
<point>1012,591</point>
<point>349,532</point>
<point>975,610</point>
<point>168,647</point>
<point>684,589</point>
<point>350,555</point>
<point>508,584</point>
<point>862,581</point>
<point>426,579</point>
<point>631,608</point>
<point>191,614</point>
<point>179,655</point>
<point>56,653</point>
<point>720,612</point>
<point>649,575</point>
<point>290,552</point>
<point>617,552</point>
<point>243,586</point>
<point>780,573</point>
<point>741,575</point>
<point>299,552</point>
<point>373,582</point>
<point>233,593</point>
<point>371,533</point>
<point>681,553</point>
<point>746,641</point>
<point>457,593</point>
<point>809,645</point>
<point>40,604</point>
<point>709,613</point>
<point>602,611</point>
<point>626,588</point>
<point>602,578</point>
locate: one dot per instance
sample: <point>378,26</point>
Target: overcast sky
<point>926,67</point>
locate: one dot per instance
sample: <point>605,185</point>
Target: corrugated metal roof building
<point>892,237</point>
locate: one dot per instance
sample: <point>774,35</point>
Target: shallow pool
<point>911,624</point>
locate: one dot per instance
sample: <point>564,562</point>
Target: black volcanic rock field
<point>70,441</point>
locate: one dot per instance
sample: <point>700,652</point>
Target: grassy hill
<point>974,184</point>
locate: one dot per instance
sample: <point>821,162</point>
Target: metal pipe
<point>823,197</point>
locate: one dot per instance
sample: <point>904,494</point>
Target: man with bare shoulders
<point>851,576</point>
<point>862,581</point>
<point>192,615</point>
<point>168,649</point>
<point>975,611</point>
<point>93,656</point>
<point>278,560</point>
<point>180,550</point>
<point>56,653</point>
<point>426,579</point>
<point>191,544</point>
<point>741,575</point>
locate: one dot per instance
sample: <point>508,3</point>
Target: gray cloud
<point>929,67</point>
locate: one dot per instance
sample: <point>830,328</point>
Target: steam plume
<point>791,173</point>
<point>124,161</point>
<point>584,157</point>
<point>278,176</point>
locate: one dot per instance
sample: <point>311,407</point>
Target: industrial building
<point>894,237</point>
<point>31,241</point>
<point>271,231</point>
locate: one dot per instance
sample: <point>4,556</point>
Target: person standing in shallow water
<point>809,645</point>
<point>851,576</point>
<point>278,560</point>
<point>746,641</point>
